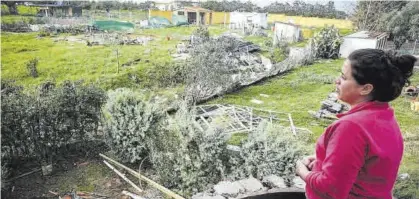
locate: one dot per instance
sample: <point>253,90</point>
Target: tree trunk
<point>398,42</point>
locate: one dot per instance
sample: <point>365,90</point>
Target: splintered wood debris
<point>240,119</point>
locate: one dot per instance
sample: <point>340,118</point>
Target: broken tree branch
<point>23,175</point>
<point>123,177</point>
<point>152,183</point>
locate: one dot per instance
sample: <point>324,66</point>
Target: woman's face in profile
<point>347,88</point>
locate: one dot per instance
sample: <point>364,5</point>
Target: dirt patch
<point>80,171</point>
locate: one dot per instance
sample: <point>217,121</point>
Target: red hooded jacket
<point>357,156</point>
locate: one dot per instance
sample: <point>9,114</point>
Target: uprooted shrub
<point>326,43</point>
<point>210,68</point>
<point>130,118</point>
<point>190,159</point>
<point>270,149</point>
<point>186,157</point>
<point>39,124</point>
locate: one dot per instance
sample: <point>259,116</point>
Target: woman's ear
<point>367,89</point>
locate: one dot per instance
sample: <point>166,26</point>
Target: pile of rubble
<point>108,38</point>
<point>57,28</point>
<point>182,51</point>
<point>135,40</point>
<point>251,187</point>
<point>330,107</point>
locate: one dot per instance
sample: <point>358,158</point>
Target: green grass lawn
<point>65,60</point>
<point>292,92</point>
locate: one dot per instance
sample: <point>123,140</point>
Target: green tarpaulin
<point>157,22</point>
<point>113,25</point>
<point>179,20</point>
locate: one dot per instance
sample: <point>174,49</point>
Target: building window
<point>181,13</point>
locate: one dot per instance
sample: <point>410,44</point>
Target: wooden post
<point>117,58</point>
<point>152,183</point>
<point>292,124</point>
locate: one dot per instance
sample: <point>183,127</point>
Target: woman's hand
<point>308,161</point>
<point>301,170</point>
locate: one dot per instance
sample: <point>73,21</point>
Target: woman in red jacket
<point>358,156</point>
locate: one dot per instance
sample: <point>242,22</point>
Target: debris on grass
<point>255,101</point>
<point>330,107</point>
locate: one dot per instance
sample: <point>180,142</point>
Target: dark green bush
<point>38,124</point>
<point>130,119</point>
<point>326,43</point>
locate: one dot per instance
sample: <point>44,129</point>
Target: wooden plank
<point>205,121</point>
<point>152,183</point>
<point>123,177</point>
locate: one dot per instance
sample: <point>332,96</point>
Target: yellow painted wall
<point>218,17</point>
<point>307,33</point>
<point>310,21</point>
<point>159,13</point>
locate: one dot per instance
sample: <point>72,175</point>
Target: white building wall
<point>286,32</point>
<point>351,44</point>
<point>246,19</point>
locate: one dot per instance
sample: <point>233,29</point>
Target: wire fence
<point>410,48</point>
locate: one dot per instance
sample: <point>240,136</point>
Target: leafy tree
<point>301,8</point>
<point>403,25</point>
<point>12,5</point>
<point>368,13</point>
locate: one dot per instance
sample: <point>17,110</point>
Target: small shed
<point>286,32</point>
<point>195,15</point>
<point>360,40</point>
<point>248,19</point>
<point>56,10</point>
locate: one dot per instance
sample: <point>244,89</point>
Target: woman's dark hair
<point>385,70</point>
